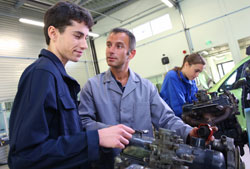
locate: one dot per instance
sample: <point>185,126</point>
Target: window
<point>153,27</point>
<point>224,68</point>
<point>228,84</point>
<point>5,108</point>
<point>143,31</point>
<point>161,24</point>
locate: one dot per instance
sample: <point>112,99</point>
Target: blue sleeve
<point>32,144</point>
<point>194,91</point>
<point>172,93</point>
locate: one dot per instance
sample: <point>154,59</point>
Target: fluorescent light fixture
<point>95,35</point>
<point>41,24</point>
<point>204,53</point>
<point>168,3</point>
<point>31,22</point>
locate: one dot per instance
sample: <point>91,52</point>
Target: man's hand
<point>115,137</point>
<point>193,133</point>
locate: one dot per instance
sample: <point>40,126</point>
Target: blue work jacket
<point>176,91</point>
<point>45,129</point>
<point>140,106</point>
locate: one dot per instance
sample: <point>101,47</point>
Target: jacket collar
<point>185,80</point>
<point>56,61</point>
<point>51,56</point>
<point>108,76</point>
<point>130,86</point>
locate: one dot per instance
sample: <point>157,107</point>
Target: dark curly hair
<point>61,15</point>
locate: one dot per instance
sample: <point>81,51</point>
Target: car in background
<point>237,82</point>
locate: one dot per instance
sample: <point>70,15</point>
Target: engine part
<point>219,110</point>
<point>4,149</point>
<point>205,131</point>
<point>168,151</point>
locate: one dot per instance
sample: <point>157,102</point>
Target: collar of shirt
<point>119,83</point>
<point>59,65</point>
<point>132,76</point>
<point>56,61</point>
<point>185,80</point>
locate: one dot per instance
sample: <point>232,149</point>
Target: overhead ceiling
<point>98,8</point>
<point>135,10</point>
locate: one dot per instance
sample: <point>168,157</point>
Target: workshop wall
<point>218,21</point>
<point>20,45</point>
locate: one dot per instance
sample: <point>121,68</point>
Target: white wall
<point>150,50</point>
<point>221,21</point>
<point>147,62</point>
<point>19,47</point>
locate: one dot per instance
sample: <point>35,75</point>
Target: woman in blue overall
<point>179,85</point>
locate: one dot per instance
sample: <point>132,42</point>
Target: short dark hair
<point>61,15</point>
<point>132,41</point>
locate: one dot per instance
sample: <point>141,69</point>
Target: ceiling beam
<point>109,5</point>
<point>19,3</point>
<point>32,3</point>
<point>104,15</point>
<point>83,2</point>
<point>108,13</point>
<point>38,5</point>
<point>174,3</point>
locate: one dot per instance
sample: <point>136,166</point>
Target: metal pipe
<point>186,30</point>
<point>94,56</point>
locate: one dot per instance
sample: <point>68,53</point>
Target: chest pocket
<point>69,115</point>
<point>67,102</point>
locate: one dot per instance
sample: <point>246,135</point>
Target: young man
<point>45,128</point>
<point>120,96</point>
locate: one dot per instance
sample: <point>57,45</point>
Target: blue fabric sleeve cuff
<point>93,145</point>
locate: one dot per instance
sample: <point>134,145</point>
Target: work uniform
<point>177,90</point>
<point>45,129</point>
<point>139,106</point>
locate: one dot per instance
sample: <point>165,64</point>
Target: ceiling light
<point>204,53</point>
<point>32,22</point>
<point>95,35</point>
<point>37,23</point>
<point>168,3</point>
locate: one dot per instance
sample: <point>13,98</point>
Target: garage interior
<point>217,29</point>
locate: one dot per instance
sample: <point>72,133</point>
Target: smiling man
<point>45,128</point>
